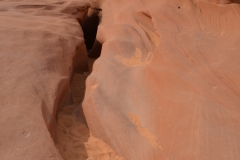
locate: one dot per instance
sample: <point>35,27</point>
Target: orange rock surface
<point>167,83</point>
<point>166,86</point>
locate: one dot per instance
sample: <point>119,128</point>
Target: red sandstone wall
<point>167,83</point>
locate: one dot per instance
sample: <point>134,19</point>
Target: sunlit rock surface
<point>167,83</point>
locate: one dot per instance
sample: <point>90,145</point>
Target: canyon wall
<point>41,43</point>
<point>167,83</point>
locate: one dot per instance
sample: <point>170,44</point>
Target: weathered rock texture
<point>167,83</point>
<point>38,42</point>
<point>73,138</point>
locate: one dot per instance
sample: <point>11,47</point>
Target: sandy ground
<point>73,138</point>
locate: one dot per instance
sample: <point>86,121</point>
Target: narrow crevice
<point>95,52</point>
<point>90,26</point>
<point>70,131</point>
<point>73,138</point>
<point>89,20</point>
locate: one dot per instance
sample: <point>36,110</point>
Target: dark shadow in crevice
<point>69,128</point>
<point>96,50</point>
<point>233,1</point>
<point>90,27</point>
<point>226,1</point>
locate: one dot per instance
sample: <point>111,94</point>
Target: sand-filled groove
<point>73,138</point>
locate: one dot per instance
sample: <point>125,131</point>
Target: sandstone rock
<point>167,83</point>
<point>41,44</point>
<point>73,138</point>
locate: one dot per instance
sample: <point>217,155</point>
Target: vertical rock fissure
<point>71,128</point>
<point>90,28</point>
<point>73,138</point>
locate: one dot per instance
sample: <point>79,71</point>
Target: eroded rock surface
<point>167,83</point>
<point>73,138</point>
<point>41,44</point>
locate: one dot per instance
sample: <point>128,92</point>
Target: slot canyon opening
<point>90,28</point>
<point>73,138</point>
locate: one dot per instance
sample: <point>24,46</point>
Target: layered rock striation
<point>166,85</point>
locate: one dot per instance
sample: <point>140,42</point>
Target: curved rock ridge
<point>167,83</point>
<point>41,46</point>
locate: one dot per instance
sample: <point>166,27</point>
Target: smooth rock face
<point>167,83</point>
<point>39,40</point>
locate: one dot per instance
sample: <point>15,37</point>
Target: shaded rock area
<point>73,138</point>
<point>41,46</point>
